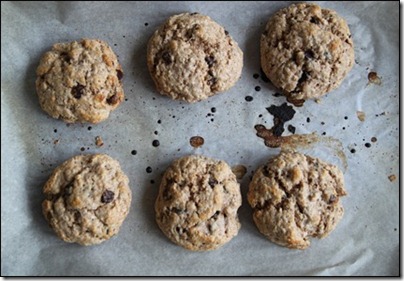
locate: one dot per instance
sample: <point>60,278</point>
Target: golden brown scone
<point>87,199</point>
<point>197,203</point>
<point>295,197</point>
<point>306,51</point>
<point>80,81</point>
<point>191,57</point>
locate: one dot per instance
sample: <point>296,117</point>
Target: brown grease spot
<point>196,141</point>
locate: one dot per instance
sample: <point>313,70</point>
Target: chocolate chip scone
<point>295,197</point>
<point>306,51</point>
<point>191,57</point>
<point>80,81</point>
<point>197,203</point>
<point>87,199</point>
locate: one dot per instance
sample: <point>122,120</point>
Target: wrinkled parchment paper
<point>366,242</point>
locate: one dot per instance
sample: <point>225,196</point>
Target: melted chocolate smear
<point>282,114</point>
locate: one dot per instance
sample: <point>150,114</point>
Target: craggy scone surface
<point>295,197</point>
<point>80,81</point>
<point>306,51</point>
<point>197,203</point>
<point>87,199</point>
<point>191,57</point>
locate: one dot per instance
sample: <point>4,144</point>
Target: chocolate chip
<point>212,182</point>
<point>353,150</point>
<point>249,98</point>
<point>368,145</point>
<point>113,100</point>
<point>107,196</point>
<point>65,56</point>
<point>315,20</point>
<point>212,81</point>
<point>119,73</point>
<point>166,57</point>
<point>333,198</point>
<point>258,88</point>
<point>133,152</point>
<point>210,60</point>
<point>308,120</point>
<point>265,171</point>
<point>309,54</point>
<point>303,78</point>
<point>155,143</point>
<point>149,170</point>
<point>277,94</point>
<point>256,75</point>
<point>193,14</point>
<point>226,32</point>
<point>78,91</point>
<point>292,129</point>
<point>213,109</point>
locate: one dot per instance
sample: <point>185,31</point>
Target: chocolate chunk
<point>303,78</point>
<point>119,73</point>
<point>265,171</point>
<point>210,60</point>
<point>112,100</point>
<point>212,81</point>
<point>333,198</point>
<point>78,91</point>
<point>309,54</point>
<point>65,56</point>
<point>166,58</point>
<point>107,196</point>
<point>315,20</point>
<point>212,182</point>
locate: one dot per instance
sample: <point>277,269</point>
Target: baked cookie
<point>197,203</point>
<point>306,51</point>
<point>294,197</point>
<point>87,199</point>
<point>80,81</point>
<point>191,57</point>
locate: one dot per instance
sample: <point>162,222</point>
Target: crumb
<point>196,141</point>
<point>392,178</point>
<point>55,141</point>
<point>239,171</point>
<point>373,78</point>
<point>361,115</point>
<point>98,141</point>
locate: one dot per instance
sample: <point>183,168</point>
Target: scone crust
<point>87,199</point>
<point>197,203</point>
<point>191,57</point>
<point>306,51</point>
<point>295,197</point>
<point>80,81</point>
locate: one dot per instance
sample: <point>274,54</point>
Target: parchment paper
<point>366,242</point>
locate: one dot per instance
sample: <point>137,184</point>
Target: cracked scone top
<point>87,199</point>
<point>191,57</point>
<point>80,81</point>
<point>306,51</point>
<point>197,203</point>
<point>295,197</point>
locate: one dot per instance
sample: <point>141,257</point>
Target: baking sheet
<point>366,242</point>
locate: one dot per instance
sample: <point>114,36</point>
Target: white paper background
<point>366,242</point>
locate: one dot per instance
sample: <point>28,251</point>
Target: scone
<point>197,203</point>
<point>87,199</point>
<point>306,51</point>
<point>80,81</point>
<point>191,57</point>
<point>295,197</point>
